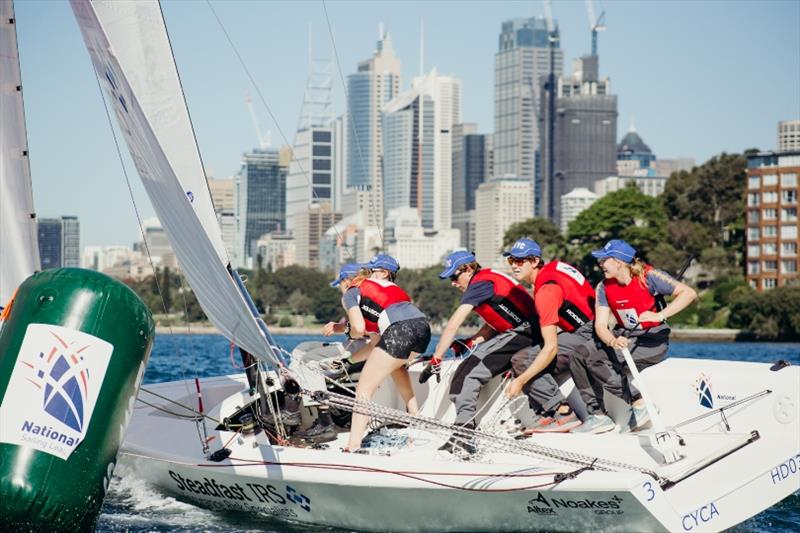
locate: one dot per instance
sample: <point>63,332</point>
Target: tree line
<point>701,214</point>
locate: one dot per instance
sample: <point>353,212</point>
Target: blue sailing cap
<point>384,262</point>
<point>524,248</point>
<point>347,271</point>
<point>618,249</point>
<point>455,260</point>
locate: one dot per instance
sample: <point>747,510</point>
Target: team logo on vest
<point>53,389</point>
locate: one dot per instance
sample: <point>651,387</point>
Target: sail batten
<point>19,249</point>
<point>128,44</point>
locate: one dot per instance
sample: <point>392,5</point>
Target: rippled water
<point>133,505</point>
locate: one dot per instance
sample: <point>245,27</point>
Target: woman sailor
<point>377,306</point>
<point>628,292</point>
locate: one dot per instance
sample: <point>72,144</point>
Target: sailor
<point>629,292</point>
<point>323,428</point>
<point>378,307</point>
<point>510,325</point>
<point>564,301</point>
<point>356,348</point>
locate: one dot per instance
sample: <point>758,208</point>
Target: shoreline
<point>682,334</point>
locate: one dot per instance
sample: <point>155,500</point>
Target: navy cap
<point>455,260</point>
<point>384,262</point>
<point>618,249</point>
<point>524,248</point>
<point>347,271</point>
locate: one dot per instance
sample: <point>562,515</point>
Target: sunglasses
<point>516,261</point>
<point>456,274</point>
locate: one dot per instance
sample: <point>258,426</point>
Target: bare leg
<point>378,367</point>
<point>363,352</point>
<point>403,383</point>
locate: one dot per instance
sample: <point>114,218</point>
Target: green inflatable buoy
<point>72,355</point>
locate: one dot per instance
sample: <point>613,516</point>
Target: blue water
<point>132,505</point>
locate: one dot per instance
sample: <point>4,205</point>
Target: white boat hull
<point>727,475</point>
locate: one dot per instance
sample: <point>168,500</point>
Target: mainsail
<point>19,251</point>
<point>131,53</point>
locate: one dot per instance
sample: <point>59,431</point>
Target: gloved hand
<point>431,369</point>
<point>460,346</point>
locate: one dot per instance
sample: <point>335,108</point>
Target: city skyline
<point>722,109</point>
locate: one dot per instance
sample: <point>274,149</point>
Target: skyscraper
<point>260,200</point>
<point>788,135</point>
<point>521,65</point>
<point>310,179</point>
<point>499,203</point>
<point>49,234</point>
<point>472,165</point>
<point>584,136</point>
<point>59,242</point>
<point>417,147</point>
<point>376,82</point>
<point>224,198</point>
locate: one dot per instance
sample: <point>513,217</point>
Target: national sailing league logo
<point>703,388</point>
<point>53,389</point>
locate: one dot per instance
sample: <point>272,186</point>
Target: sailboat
<point>734,426</point>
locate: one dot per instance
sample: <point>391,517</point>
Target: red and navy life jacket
<point>510,307</point>
<point>578,306</point>
<point>376,297</point>
<point>629,301</point>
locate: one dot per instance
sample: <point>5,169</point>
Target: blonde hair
<point>363,274</point>
<point>638,270</point>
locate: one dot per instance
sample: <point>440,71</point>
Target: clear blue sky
<point>697,78</point>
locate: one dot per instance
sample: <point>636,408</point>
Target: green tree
<point>769,315</point>
<point>432,295</point>
<point>711,197</point>
<point>327,305</point>
<point>299,302</point>
<point>625,214</point>
<point>542,230</point>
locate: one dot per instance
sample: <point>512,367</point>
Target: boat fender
<point>72,356</point>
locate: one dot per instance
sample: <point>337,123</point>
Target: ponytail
<point>363,274</point>
<point>638,270</point>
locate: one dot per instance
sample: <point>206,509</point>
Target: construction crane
<point>595,24</point>
<point>263,140</point>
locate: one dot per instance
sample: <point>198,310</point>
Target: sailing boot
<point>321,431</point>
<point>290,414</point>
<point>459,445</point>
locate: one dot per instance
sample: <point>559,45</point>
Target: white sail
<point>19,251</point>
<point>128,44</point>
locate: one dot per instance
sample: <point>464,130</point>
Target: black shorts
<point>406,336</point>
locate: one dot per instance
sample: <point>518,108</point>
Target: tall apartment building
<point>584,136</point>
<point>376,82</point>
<point>260,188</point>
<point>521,65</point>
<point>788,135</point>
<point>59,242</point>
<point>417,148</point>
<point>772,223</point>
<point>499,202</point>
<point>411,244</point>
<point>223,194</point>
<point>309,228</point>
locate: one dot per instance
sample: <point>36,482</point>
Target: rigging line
<point>182,406</point>
<point>353,124</point>
<point>723,408</point>
<point>272,116</point>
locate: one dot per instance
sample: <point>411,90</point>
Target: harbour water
<point>134,506</point>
